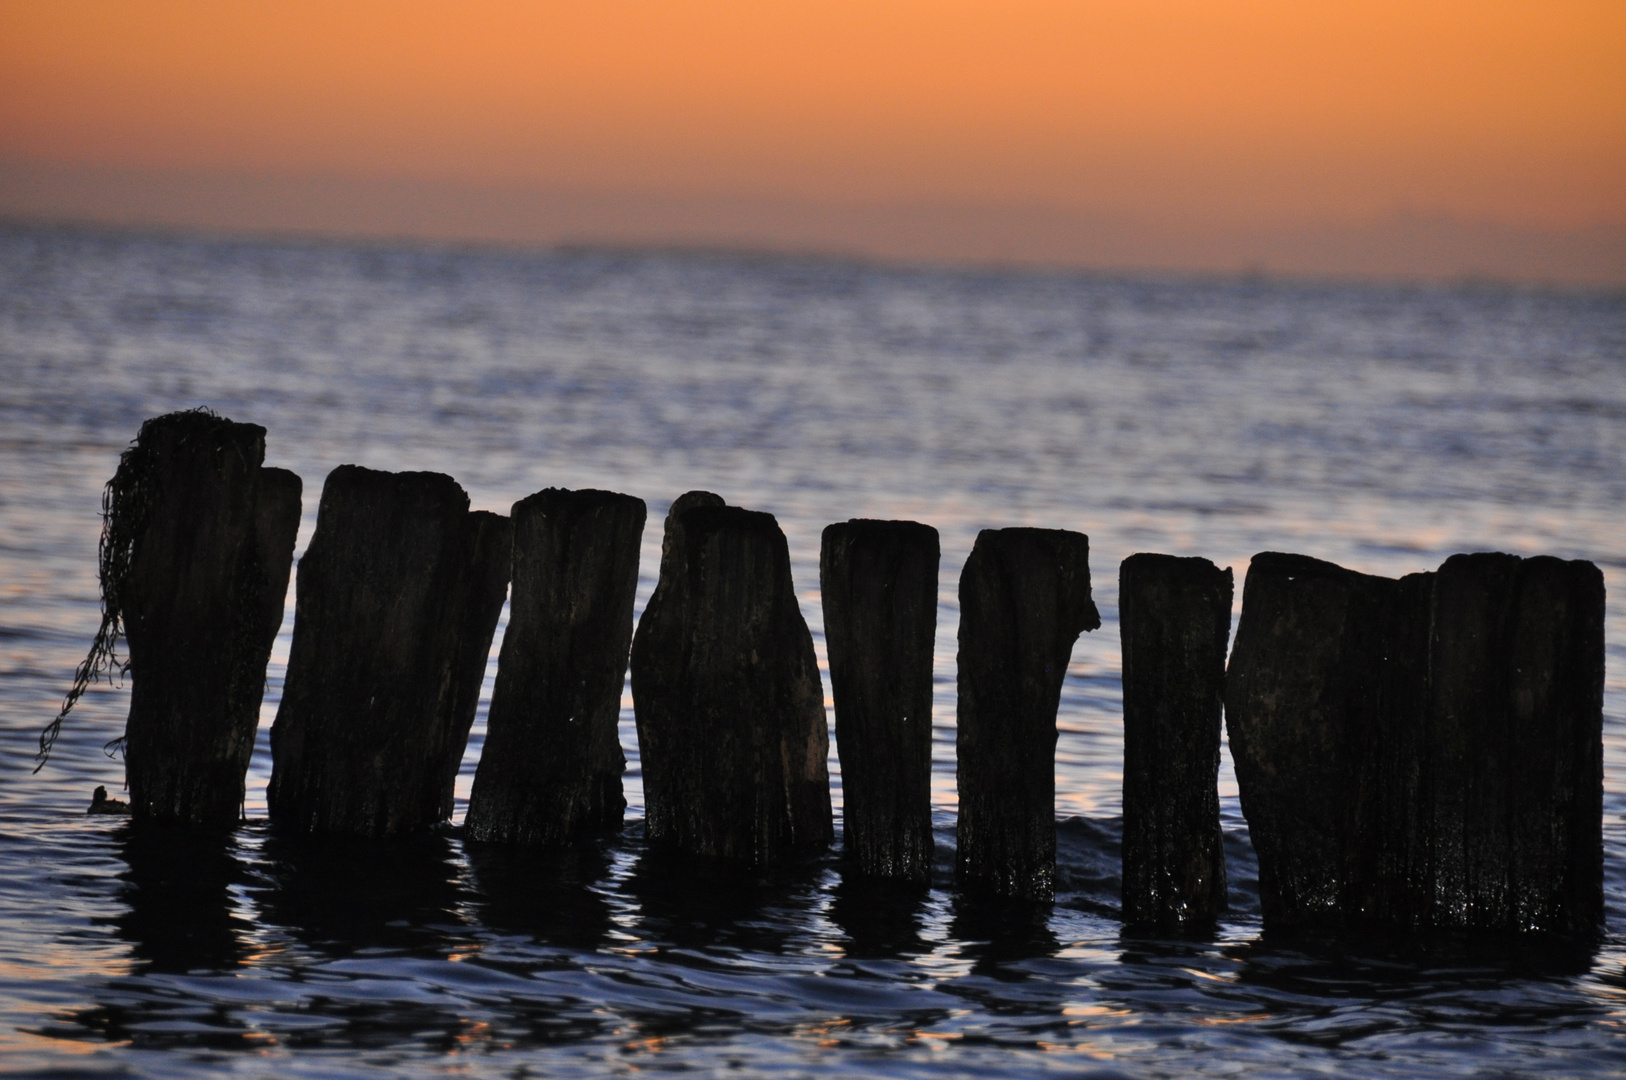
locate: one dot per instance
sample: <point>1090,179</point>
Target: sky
<point>1415,138</point>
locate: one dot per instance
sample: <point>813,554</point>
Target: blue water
<point>1380,426</point>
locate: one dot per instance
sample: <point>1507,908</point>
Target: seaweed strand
<point>126,503</point>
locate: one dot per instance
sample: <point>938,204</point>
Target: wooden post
<point>398,598</point>
<point>1386,846</point>
<point>1024,599</point>
<point>551,768</point>
<point>730,708</point>
<point>1174,619</point>
<point>1423,752</point>
<point>1322,704</point>
<point>879,586</point>
<point>1515,754</point>
<point>211,538</point>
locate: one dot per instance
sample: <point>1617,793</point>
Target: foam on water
<point>1381,427</point>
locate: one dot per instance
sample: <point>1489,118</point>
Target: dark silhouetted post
<point>1322,703</point>
<point>1386,843</point>
<point>662,744</point>
<point>879,583</point>
<point>1024,599</point>
<point>551,768</point>
<point>731,725</point>
<point>1174,619</point>
<point>398,597</point>
<point>197,545</point>
<point>1423,752</point>
<point>1515,755</point>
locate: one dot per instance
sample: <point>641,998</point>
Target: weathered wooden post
<point>551,768</point>
<point>730,708</point>
<point>879,583</point>
<point>1423,752</point>
<point>1323,705</point>
<point>197,543</point>
<point>1515,744</point>
<point>397,600</point>
<point>1174,620</point>
<point>1024,599</point>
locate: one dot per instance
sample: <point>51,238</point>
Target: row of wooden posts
<point>1419,753</point>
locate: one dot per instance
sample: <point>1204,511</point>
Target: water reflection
<point>697,904</point>
<point>549,893</point>
<point>1342,988</point>
<point>996,931</point>
<point>882,919</point>
<point>341,895</point>
<point>181,914</point>
<point>1385,963</point>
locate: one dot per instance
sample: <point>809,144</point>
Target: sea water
<point>1381,426</point>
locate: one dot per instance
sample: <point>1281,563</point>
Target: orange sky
<point>1196,113</point>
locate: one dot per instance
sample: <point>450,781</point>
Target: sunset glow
<point>1247,115</point>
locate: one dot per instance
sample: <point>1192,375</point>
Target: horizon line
<point>1405,246</point>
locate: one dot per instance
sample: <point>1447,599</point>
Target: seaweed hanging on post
<point>127,501</point>
<point>197,542</point>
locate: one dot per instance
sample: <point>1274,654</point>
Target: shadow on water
<point>699,904</point>
<point>390,961</point>
<point>995,932</point>
<point>380,922</point>
<point>178,886</point>
<point>340,895</point>
<point>1012,950</point>
<point>548,894</point>
<point>1387,962</point>
<point>1335,988</point>
<point>883,920</point>
<point>181,920</point>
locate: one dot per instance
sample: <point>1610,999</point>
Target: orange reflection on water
<point>16,1041</point>
<point>268,952</point>
<point>1208,975</point>
<point>937,1040</point>
<point>1073,803</point>
<point>1084,1049</point>
<point>54,958</point>
<point>652,1045</point>
<point>1218,1021</point>
<point>825,1030</point>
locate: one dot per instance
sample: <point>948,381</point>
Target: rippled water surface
<point>1381,427</point>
